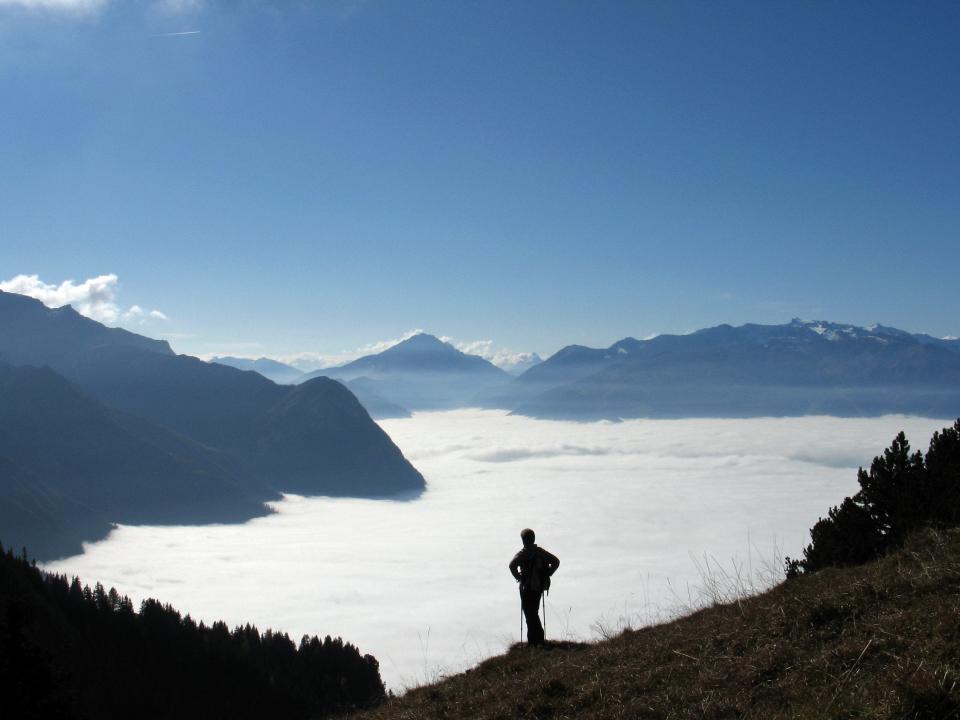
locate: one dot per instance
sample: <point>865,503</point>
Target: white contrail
<point>174,34</point>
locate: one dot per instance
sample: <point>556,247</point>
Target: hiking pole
<point>544,598</point>
<point>521,622</point>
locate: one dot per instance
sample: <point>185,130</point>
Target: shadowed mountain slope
<point>364,388</point>
<point>69,464</point>
<point>227,409</point>
<point>322,418</point>
<point>794,369</point>
<point>33,334</point>
<point>880,641</point>
<point>35,514</point>
<point>120,424</point>
<point>378,406</point>
<point>422,373</point>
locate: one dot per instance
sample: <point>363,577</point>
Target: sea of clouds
<point>643,514</point>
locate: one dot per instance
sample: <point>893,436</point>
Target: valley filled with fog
<point>635,510</point>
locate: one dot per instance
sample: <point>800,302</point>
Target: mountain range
<point>101,425</point>
<point>798,368</point>
<point>107,420</point>
<point>420,373</point>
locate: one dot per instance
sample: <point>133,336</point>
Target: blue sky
<point>312,177</point>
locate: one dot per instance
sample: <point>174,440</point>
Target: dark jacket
<point>532,568</point>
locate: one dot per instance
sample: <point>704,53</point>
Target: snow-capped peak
<point>837,331</point>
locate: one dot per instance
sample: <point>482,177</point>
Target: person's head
<point>528,536</point>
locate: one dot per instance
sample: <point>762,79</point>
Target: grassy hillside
<point>881,640</point>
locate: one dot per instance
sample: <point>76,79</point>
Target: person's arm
<point>553,562</point>
<point>514,565</point>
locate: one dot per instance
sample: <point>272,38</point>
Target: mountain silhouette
<point>422,373</point>
<point>70,464</point>
<point>33,334</point>
<point>35,514</point>
<point>279,372</point>
<point>166,420</point>
<point>378,406</point>
<point>364,388</point>
<point>798,368</point>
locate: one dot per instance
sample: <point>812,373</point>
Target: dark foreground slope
<point>67,651</point>
<point>877,641</point>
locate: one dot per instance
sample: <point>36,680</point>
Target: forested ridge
<point>71,651</point>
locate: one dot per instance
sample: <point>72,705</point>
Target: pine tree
<point>901,492</point>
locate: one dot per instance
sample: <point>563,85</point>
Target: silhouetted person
<point>532,568</point>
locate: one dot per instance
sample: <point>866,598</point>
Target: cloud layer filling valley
<point>423,584</point>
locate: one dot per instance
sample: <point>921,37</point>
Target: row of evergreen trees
<point>68,651</point>
<point>901,492</point>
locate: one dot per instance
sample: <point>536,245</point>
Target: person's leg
<point>531,612</point>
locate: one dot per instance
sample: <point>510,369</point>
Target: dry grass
<point>877,641</point>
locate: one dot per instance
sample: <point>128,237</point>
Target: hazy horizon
<point>96,298</point>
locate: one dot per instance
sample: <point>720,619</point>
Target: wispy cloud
<point>79,7</point>
<point>177,7</point>
<point>94,297</point>
<point>178,34</point>
<point>87,7</point>
<point>499,356</point>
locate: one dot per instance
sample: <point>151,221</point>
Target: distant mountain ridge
<point>279,372</point>
<point>226,432</point>
<point>421,373</point>
<point>799,368</point>
<point>282,374</point>
<point>421,352</point>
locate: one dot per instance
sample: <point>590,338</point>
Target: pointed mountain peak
<point>422,344</point>
<point>424,341</point>
<point>420,353</point>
